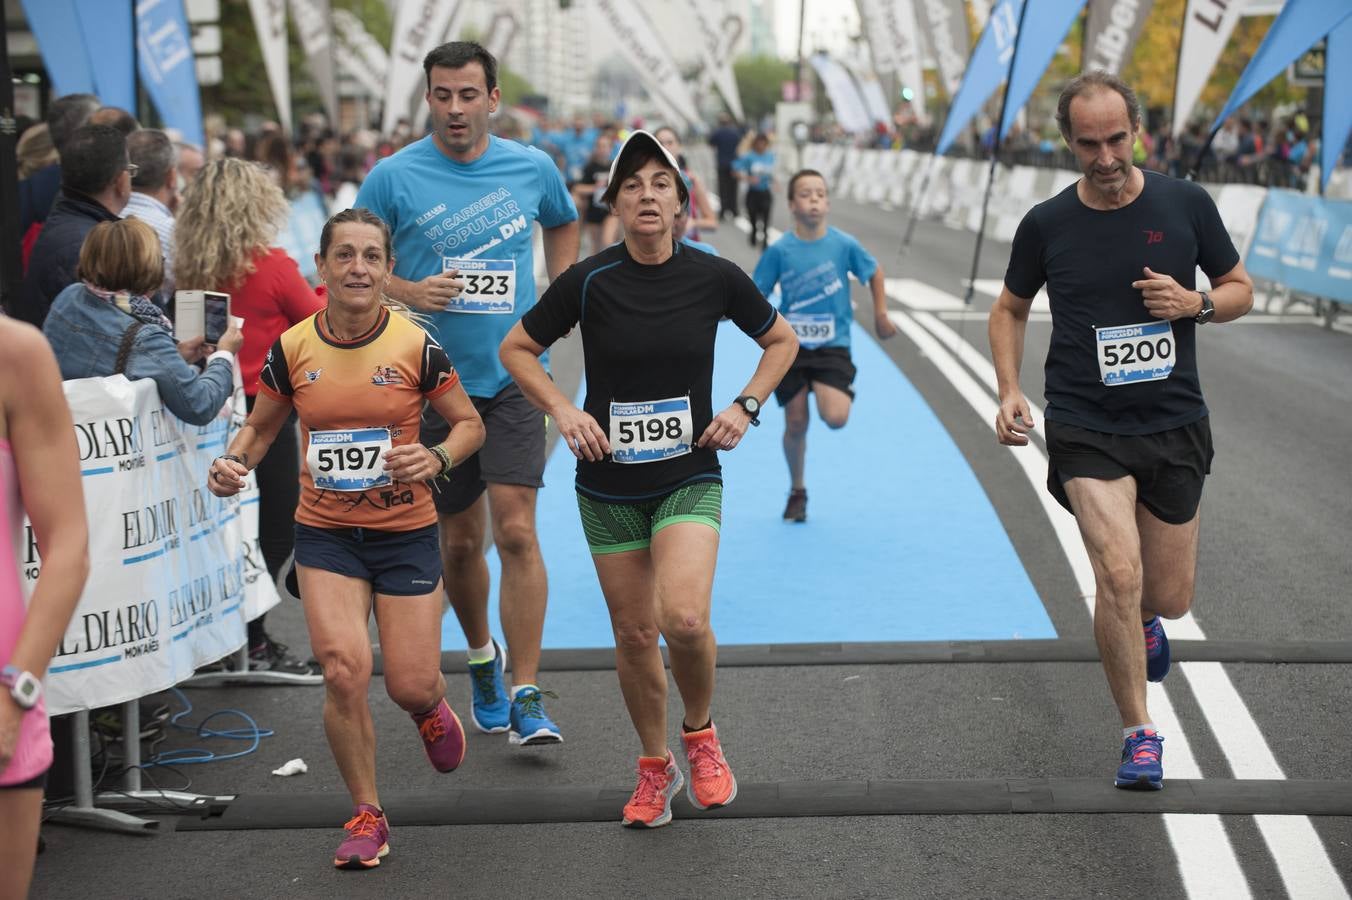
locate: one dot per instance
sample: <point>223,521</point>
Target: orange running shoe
<point>711,781</point>
<point>658,781</point>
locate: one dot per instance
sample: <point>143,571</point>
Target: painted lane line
<point>1206,861</point>
<point>1300,856</point>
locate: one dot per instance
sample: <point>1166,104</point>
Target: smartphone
<point>215,316</point>
<point>204,314</point>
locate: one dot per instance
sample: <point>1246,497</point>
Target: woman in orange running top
<point>38,460</point>
<point>357,374</point>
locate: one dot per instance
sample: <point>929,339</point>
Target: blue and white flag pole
<point>995,154</point>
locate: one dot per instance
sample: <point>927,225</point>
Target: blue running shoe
<point>530,725</point>
<point>490,709</point>
<point>1141,768</point>
<point>1156,650</point>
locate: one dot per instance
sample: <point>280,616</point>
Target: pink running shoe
<point>443,736</point>
<point>368,837</point>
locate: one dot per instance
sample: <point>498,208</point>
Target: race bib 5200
<point>813,329</point>
<point>490,285</point>
<point>1128,354</point>
<point>348,460</point>
<point>651,430</point>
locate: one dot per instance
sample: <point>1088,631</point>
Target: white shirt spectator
<point>157,216</point>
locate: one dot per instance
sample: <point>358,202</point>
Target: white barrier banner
<point>718,30</point>
<point>1111,32</point>
<point>944,22</point>
<point>174,571</point>
<point>419,25</point>
<point>365,59</point>
<point>851,113</point>
<point>639,43</point>
<point>1207,25</point>
<point>269,17</point>
<point>893,38</point>
<point>313,21</point>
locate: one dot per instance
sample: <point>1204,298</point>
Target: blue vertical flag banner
<point>107,29</point>
<point>988,67</point>
<point>1044,26</point>
<point>168,69</point>
<point>1296,28</point>
<point>56,28</point>
<point>1337,99</point>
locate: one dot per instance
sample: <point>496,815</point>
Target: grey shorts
<point>513,450</point>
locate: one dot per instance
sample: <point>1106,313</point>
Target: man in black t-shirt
<point>1128,439</point>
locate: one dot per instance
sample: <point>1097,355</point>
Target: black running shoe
<point>272,659</point>
<point>796,509</point>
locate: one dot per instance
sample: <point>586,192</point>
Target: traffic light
<point>907,94</point>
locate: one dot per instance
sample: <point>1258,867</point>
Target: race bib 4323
<point>1128,354</point>
<point>490,285</point>
<point>650,430</point>
<point>352,460</point>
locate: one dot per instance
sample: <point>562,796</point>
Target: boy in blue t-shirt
<point>757,171</point>
<point>812,265</point>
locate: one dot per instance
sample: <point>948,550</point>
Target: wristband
<point>446,463</point>
<point>233,458</point>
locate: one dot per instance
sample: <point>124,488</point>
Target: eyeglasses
<point>132,169</point>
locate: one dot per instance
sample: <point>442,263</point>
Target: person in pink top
<point>224,241</point>
<point>39,472</point>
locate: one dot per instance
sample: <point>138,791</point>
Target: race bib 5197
<point>350,460</point>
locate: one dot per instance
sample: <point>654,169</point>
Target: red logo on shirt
<point>1153,237</point>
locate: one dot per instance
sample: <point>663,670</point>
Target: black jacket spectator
<point>95,185</point>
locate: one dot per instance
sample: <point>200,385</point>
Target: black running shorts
<point>1169,466</point>
<point>831,366</point>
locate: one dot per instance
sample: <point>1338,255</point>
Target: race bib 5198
<point>651,430</point>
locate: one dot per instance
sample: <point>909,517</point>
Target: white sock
<point>1128,732</point>
<point>483,654</point>
<point>518,688</point>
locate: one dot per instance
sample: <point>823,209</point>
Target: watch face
<point>752,405</point>
<point>27,689</point>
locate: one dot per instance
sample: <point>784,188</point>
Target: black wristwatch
<point>1208,309</point>
<point>752,407</point>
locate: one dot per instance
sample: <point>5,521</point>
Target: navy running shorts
<point>398,563</point>
<point>1169,466</point>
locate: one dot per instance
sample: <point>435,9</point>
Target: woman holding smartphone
<point>106,324</point>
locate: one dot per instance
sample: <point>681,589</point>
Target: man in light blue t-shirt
<point>811,265</point>
<point>462,205</point>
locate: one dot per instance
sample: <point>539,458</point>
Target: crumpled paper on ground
<point>293,767</point>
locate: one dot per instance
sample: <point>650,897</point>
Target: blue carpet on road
<point>901,543</point>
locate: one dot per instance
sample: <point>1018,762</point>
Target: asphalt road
<point>1274,567</point>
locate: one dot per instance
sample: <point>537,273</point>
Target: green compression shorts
<point>617,527</point>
